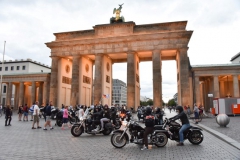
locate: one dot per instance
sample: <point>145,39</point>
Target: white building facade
<point>119,92</point>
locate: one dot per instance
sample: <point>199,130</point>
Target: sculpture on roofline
<point>117,12</point>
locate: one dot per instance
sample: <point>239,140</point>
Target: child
<point>65,118</point>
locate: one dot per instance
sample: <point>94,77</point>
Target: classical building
<point>74,54</point>
<point>119,92</point>
<point>24,81</point>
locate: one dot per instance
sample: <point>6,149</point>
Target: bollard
<point>223,120</point>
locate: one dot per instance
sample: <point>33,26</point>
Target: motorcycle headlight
<point>124,123</point>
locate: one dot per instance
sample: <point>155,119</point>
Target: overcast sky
<point>27,24</point>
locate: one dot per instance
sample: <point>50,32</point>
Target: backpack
<point>48,110</point>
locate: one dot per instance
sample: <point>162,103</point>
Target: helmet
<point>148,110</point>
<point>105,106</point>
<point>180,108</point>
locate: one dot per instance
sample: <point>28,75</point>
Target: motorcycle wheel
<point>76,131</point>
<point>106,131</point>
<point>161,139</point>
<point>195,137</point>
<point>59,123</point>
<point>117,142</point>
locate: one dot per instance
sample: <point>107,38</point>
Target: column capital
<point>181,50</point>
<point>131,52</point>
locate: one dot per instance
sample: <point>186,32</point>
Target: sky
<point>26,25</point>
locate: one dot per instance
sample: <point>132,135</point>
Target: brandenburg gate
<point>75,53</point>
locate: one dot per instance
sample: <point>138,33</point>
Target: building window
<point>4,89</point>
<point>18,67</point>
<point>0,68</point>
<point>6,68</point>
<point>12,68</point>
<point>23,67</point>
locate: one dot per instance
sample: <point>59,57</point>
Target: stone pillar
<point>157,78</point>
<point>131,79</point>
<point>235,86</point>
<point>40,94</point>
<point>21,94</point>
<point>75,81</point>
<point>215,87</point>
<point>222,90</point>
<point>33,92</point>
<point>44,94</point>
<point>98,79</point>
<point>197,90</point>
<point>9,93</point>
<point>54,81</point>
<point>184,87</point>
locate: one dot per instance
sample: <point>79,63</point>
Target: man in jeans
<point>36,115</point>
<point>185,123</point>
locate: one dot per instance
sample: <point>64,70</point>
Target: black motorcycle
<point>141,114</point>
<point>74,116</point>
<point>171,131</point>
<point>120,137</point>
<point>86,125</point>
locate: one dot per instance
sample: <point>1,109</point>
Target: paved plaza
<point>20,142</point>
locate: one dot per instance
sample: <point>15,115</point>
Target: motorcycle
<point>141,114</point>
<point>171,131</point>
<point>74,116</point>
<point>120,137</point>
<point>86,125</point>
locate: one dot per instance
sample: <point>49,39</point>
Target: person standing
<point>25,113</point>
<point>36,115</point>
<point>196,113</point>
<point>8,116</point>
<point>20,111</point>
<point>149,123</point>
<point>1,110</point>
<point>48,113</point>
<point>65,118</point>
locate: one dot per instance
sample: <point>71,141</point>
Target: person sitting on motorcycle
<point>159,114</point>
<point>185,123</point>
<point>149,123</point>
<point>113,114</point>
<point>106,116</point>
<point>97,115</point>
<point>80,112</point>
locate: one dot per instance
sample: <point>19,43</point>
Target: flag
<point>106,96</point>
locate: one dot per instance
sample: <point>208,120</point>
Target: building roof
<point>234,57</point>
<point>214,65</point>
<point>25,60</point>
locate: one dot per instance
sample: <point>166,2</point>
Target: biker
<point>185,123</point>
<point>149,123</point>
<point>97,115</point>
<point>113,114</point>
<point>80,112</point>
<point>159,114</point>
<point>106,116</point>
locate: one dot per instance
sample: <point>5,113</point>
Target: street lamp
<point>2,73</point>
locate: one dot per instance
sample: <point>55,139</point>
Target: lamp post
<point>2,73</point>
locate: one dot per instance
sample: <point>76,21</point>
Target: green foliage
<point>171,102</point>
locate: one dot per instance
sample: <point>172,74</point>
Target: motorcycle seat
<point>158,127</point>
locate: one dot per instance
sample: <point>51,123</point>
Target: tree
<point>171,102</point>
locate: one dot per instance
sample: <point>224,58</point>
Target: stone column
<point>157,78</point>
<point>235,86</point>
<point>184,87</point>
<point>40,94</point>
<point>197,90</point>
<point>33,92</point>
<point>44,95</point>
<point>9,93</point>
<point>75,81</point>
<point>215,87</point>
<point>98,79</point>
<point>222,90</point>
<point>54,81</point>
<point>131,79</point>
<point>21,94</point>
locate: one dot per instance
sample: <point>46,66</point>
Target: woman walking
<point>8,116</point>
<point>20,112</point>
<point>65,118</point>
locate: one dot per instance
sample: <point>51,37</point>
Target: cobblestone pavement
<point>232,130</point>
<point>20,142</point>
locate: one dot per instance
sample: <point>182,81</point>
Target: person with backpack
<point>149,123</point>
<point>48,112</point>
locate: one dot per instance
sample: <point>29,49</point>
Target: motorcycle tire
<point>161,139</point>
<point>116,142</point>
<point>106,131</point>
<point>76,131</point>
<point>59,123</point>
<point>195,137</point>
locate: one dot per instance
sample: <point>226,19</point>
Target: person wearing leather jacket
<point>185,123</point>
<point>106,116</point>
<point>97,115</point>
<point>113,114</point>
